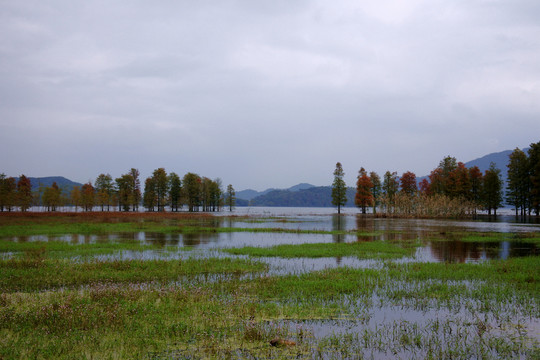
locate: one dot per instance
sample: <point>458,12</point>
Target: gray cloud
<point>264,94</point>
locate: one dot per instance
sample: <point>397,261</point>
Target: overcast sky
<point>264,93</point>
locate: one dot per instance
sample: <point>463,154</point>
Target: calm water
<point>447,247</point>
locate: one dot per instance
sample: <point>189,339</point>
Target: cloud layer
<point>264,94</point>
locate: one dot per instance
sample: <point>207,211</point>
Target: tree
<point>408,183</point>
<point>104,190</point>
<point>24,193</point>
<point>390,185</point>
<point>230,197</point>
<point>215,194</point>
<point>175,191</point>
<point>52,197</point>
<point>364,196</point>
<point>534,171</point>
<point>8,192</point>
<point>126,192</point>
<point>87,196</point>
<point>76,197</point>
<point>518,188</point>
<point>339,189</point>
<point>492,194</point>
<point>458,182</point>
<point>192,190</point>
<point>161,183</point>
<point>150,196</point>
<point>440,178</point>
<point>136,188</point>
<point>375,189</point>
<point>477,180</point>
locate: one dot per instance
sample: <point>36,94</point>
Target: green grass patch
<point>38,273</point>
<point>361,250</point>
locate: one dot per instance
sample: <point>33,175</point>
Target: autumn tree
<point>75,197</point>
<point>24,193</point>
<point>376,189</point>
<point>408,184</point>
<point>492,189</point>
<point>230,198</point>
<point>518,188</point>
<point>364,196</point>
<point>175,191</point>
<point>52,197</point>
<point>339,189</point>
<point>87,196</point>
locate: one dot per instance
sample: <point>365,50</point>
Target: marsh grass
<point>361,250</point>
<point>55,305</point>
<point>36,272</point>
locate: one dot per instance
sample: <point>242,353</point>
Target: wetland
<point>267,284</point>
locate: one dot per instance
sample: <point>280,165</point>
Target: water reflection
<point>440,239</point>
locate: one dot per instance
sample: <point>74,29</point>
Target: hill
<point>316,196</point>
<point>250,194</point>
<point>62,182</point>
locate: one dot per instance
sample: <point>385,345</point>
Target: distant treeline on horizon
<point>450,182</point>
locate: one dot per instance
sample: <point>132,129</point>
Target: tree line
<point>161,191</point>
<point>450,190</point>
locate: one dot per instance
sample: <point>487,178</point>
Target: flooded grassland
<point>176,286</point>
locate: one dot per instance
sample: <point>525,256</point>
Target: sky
<point>264,93</point>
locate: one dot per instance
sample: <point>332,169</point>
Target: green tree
<point>161,183</point>
<point>8,192</point>
<point>518,188</point>
<point>192,190</point>
<point>175,191</point>
<point>492,189</point>
<point>136,189</point>
<point>24,193</point>
<point>230,199</point>
<point>104,190</point>
<point>364,196</point>
<point>150,196</point>
<point>126,192</point>
<point>215,194</point>
<point>376,189</point>
<point>339,189</point>
<point>477,180</point>
<point>534,171</point>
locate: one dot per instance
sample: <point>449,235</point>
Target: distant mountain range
<point>307,195</point>
<point>65,184</point>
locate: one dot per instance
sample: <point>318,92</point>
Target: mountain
<point>250,194</point>
<point>62,182</point>
<point>315,196</point>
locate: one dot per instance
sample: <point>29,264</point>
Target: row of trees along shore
<point>161,191</point>
<point>450,190</point>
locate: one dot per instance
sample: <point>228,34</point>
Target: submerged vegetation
<point>64,299</point>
